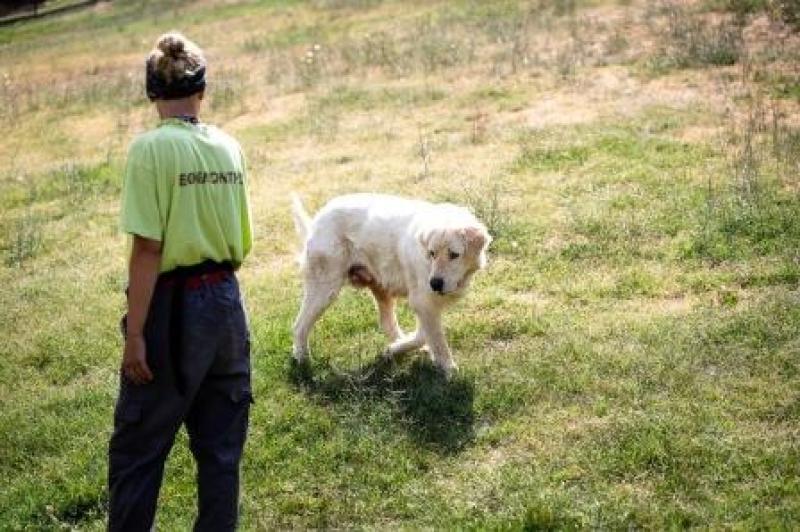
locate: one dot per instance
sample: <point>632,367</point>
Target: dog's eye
<point>453,255</point>
<point>431,254</point>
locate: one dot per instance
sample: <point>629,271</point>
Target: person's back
<point>198,174</point>
<point>187,351</point>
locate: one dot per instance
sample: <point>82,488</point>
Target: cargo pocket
<point>127,439</point>
<point>128,412</point>
<point>130,403</point>
<point>242,396</point>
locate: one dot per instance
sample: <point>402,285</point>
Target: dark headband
<point>159,89</point>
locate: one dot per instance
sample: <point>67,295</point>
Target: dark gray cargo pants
<point>210,394</point>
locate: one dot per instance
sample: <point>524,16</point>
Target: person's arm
<point>142,274</point>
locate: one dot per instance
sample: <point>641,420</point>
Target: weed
<point>431,47</point>
<point>119,90</point>
<point>566,62</point>
<point>512,33</point>
<point>254,45</point>
<point>78,183</point>
<point>747,162</point>
<point>789,11</point>
<point>23,241</point>
<point>9,97</point>
<point>544,514</point>
<point>569,56</point>
<point>540,158</point>
<point>438,47</point>
<point>740,8</point>
<point>478,131</point>
<point>311,67</point>
<point>767,226</point>
<point>491,208</point>
<point>785,140</point>
<point>633,284</point>
<point>753,213</point>
<point>424,151</point>
<point>617,43</point>
<point>228,92</point>
<point>785,86</point>
<point>323,123</point>
<point>565,7</point>
<point>689,41</point>
<point>375,49</point>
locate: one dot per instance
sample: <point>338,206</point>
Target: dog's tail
<point>302,221</point>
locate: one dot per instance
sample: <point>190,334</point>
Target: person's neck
<point>182,108</point>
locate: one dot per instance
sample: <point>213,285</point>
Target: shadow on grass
<point>73,513</point>
<point>438,412</point>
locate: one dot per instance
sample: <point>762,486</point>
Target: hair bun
<point>172,45</point>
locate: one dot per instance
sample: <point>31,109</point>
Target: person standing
<point>186,358</point>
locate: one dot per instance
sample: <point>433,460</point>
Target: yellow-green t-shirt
<point>186,186</point>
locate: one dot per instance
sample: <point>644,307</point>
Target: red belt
<point>196,281</point>
<point>193,282</point>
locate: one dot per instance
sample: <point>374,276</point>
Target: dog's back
<point>366,208</point>
<point>368,221</point>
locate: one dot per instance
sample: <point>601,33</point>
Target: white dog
<point>396,247</point>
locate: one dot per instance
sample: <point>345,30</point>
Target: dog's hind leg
<point>386,314</point>
<point>318,295</point>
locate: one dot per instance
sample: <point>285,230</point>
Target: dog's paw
<point>391,355</point>
<point>448,369</point>
<point>299,354</point>
<point>300,370</point>
<point>387,355</point>
<point>299,360</point>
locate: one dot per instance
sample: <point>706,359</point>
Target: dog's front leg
<point>404,344</point>
<point>430,325</point>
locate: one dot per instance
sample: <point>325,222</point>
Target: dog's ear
<point>477,239</point>
<point>425,236</point>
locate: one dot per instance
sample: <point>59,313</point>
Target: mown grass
<point>628,360</point>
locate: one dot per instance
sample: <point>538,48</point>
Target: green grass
<point>628,360</point>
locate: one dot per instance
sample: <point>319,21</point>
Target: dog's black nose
<point>437,284</point>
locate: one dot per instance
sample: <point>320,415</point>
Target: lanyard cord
<point>187,118</point>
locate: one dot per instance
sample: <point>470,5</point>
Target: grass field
<point>629,359</point>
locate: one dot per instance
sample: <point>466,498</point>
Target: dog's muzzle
<point>437,285</point>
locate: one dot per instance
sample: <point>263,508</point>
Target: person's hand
<point>134,360</point>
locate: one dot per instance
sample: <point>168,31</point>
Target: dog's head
<point>454,252</point>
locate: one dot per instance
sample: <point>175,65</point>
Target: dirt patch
<point>613,92</point>
<point>271,111</point>
<point>660,306</point>
<point>700,134</point>
<point>561,109</point>
<point>93,131</point>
